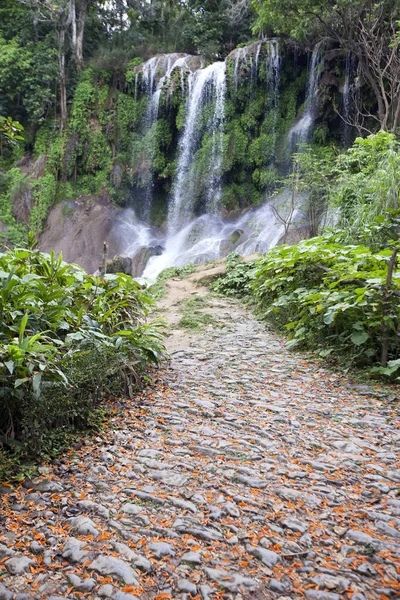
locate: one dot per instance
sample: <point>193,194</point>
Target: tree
<point>308,186</point>
<point>28,65</point>
<point>67,18</point>
<point>365,28</point>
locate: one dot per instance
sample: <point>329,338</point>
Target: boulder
<point>142,257</point>
<point>120,264</point>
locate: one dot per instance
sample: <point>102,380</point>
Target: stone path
<point>246,472</point>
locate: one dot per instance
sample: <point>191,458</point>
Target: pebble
<point>109,565</point>
<point>233,582</point>
<point>5,594</point>
<point>18,564</point>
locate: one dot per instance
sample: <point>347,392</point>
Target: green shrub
<point>66,339</point>
<point>328,297</point>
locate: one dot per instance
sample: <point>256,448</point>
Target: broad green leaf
<point>359,337</point>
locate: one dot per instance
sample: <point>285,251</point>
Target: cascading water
<point>213,184</point>
<point>240,54</point>
<point>181,205</point>
<point>150,71</point>
<point>350,89</point>
<point>209,237</point>
<point>197,185</point>
<point>301,131</point>
<point>273,68</point>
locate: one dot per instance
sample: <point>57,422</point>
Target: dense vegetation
<point>67,74</point>
<point>339,293</point>
<point>67,341</point>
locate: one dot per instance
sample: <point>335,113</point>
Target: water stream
<point>350,90</point>
<point>302,130</point>
<point>205,82</point>
<point>150,71</point>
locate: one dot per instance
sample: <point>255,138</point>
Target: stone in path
<point>247,471</point>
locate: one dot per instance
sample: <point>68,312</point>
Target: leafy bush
<point>327,296</point>
<point>368,182</point>
<point>66,339</point>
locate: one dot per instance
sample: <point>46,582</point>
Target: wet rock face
<point>189,63</point>
<point>247,470</point>
<point>142,257</point>
<point>230,244</point>
<point>79,229</point>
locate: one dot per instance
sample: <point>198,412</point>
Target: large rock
<point>120,264</point>
<point>79,229</point>
<point>18,564</point>
<point>142,257</point>
<point>108,565</point>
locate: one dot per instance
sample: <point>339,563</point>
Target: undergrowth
<point>340,301</point>
<point>68,341</point>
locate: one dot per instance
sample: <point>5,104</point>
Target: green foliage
<point>326,296</point>
<point>193,316</point>
<point>28,65</point>
<point>13,232</point>
<point>66,339</point>
<point>368,182</point>
<point>44,192</point>
<point>10,133</point>
<point>238,279</point>
<point>196,320</point>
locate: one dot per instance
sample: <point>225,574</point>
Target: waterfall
<point>150,71</point>
<point>209,80</point>
<point>197,186</point>
<point>349,94</point>
<point>273,68</point>
<point>301,131</point>
<point>213,183</point>
<point>240,54</point>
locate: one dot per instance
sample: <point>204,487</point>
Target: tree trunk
<point>386,308</point>
<point>371,79</point>
<point>396,119</point>
<point>62,77</point>
<point>81,32</point>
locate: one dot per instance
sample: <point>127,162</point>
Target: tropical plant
<point>66,338</point>
<point>338,299</point>
<point>367,183</point>
<point>10,133</point>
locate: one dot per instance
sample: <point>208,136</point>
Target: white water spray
<point>301,131</point>
<point>181,204</point>
<point>150,70</point>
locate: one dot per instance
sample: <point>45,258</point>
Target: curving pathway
<point>245,472</point>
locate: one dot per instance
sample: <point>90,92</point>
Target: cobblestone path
<point>245,472</point>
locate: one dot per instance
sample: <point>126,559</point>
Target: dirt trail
<point>247,471</point>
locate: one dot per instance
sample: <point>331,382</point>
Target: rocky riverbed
<point>246,471</point>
